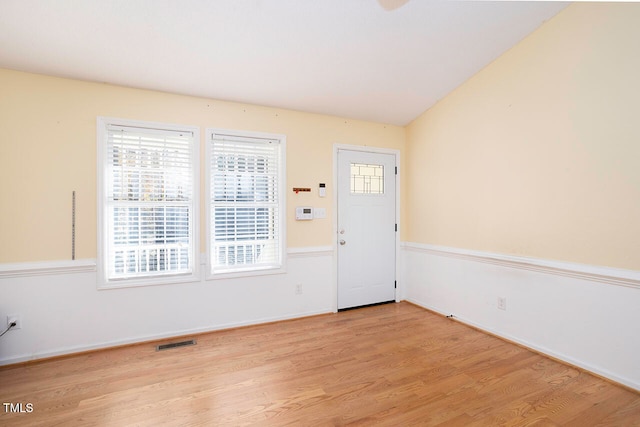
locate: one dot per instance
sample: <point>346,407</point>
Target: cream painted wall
<point>48,150</point>
<point>538,154</point>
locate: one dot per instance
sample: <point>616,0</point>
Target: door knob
<point>342,242</point>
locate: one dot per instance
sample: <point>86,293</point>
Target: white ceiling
<point>349,58</point>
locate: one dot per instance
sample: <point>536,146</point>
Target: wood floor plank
<point>389,365</point>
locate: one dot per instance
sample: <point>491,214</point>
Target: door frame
<point>334,245</point>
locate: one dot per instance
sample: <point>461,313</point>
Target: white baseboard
<point>586,316</point>
<point>543,350</point>
<point>154,337</point>
<point>63,312</point>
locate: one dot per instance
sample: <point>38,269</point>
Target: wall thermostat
<point>304,213</point>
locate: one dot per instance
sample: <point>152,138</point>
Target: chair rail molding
<point>602,274</point>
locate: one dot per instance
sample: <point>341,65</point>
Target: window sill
<point>246,273</point>
<point>149,281</point>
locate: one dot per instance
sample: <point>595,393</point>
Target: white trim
<point>310,251</point>
<point>44,268</point>
<point>102,282</point>
<point>544,350</point>
<point>608,275</point>
<point>154,337</point>
<point>233,303</point>
<point>282,202</point>
<point>366,149</point>
<point>363,148</point>
<point>253,272</point>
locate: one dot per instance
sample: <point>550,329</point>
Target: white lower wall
<point>588,316</point>
<point>585,315</point>
<point>63,312</point>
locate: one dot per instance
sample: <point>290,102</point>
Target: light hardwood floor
<point>390,365</point>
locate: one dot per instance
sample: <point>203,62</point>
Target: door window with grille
<point>366,179</point>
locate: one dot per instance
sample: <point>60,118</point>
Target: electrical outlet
<point>14,318</point>
<point>502,303</point>
<point>299,289</point>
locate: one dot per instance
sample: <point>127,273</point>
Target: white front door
<point>366,228</point>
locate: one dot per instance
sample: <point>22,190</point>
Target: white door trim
<point>337,147</point>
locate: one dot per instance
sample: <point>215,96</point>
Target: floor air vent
<point>175,345</point>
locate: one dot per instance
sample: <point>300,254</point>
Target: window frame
<point>282,215</point>
<point>103,281</point>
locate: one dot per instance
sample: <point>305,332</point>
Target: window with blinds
<point>246,213</point>
<point>149,200</point>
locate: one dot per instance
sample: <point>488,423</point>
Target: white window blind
<point>245,203</point>
<point>149,202</point>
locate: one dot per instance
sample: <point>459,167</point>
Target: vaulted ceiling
<point>350,58</point>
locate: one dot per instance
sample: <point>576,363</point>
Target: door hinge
<point>396,227</point>
<point>396,170</point>
<point>395,284</point>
